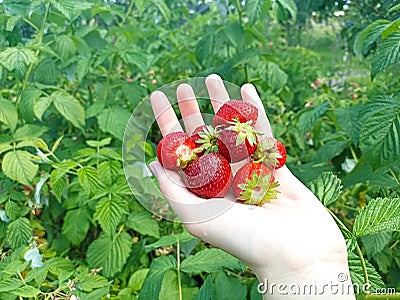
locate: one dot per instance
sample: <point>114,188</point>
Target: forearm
<point>319,281</point>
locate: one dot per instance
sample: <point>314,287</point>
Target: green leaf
<point>394,26</point>
<point>152,284</point>
<point>168,240</point>
<point>10,284</point>
<point>143,223</point>
<point>392,9</point>
<point>70,108</point>
<point>330,150</point>
<point>229,287</point>
<point>206,290</point>
<point>327,187</point>
<point>209,260</point>
<point>28,98</point>
<point>71,9</point>
<point>90,282</point>
<point>58,265</point>
<point>309,116</point>
<point>290,6</point>
<point>26,291</point>
<point>253,9</point>
<point>137,279</point>
<point>235,33</point>
<point>19,232</point>
<point>15,267</point>
<point>114,120</point>
<point>387,53</point>
<point>170,288</point>
<point>368,36</point>
<point>12,210</point>
<point>379,137</point>
<point>64,46</point>
<point>356,274</point>
<point>8,114</point>
<point>375,243</point>
<point>41,105</point>
<point>277,78</point>
<point>110,252</point>
<point>350,121</point>
<point>379,215</point>
<point>76,225</point>
<point>101,143</point>
<point>58,183</point>
<point>89,178</point>
<point>109,213</point>
<point>18,59</point>
<point>29,132</point>
<point>18,166</point>
<point>163,8</point>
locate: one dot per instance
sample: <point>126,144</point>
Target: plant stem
<point>363,264</point>
<point>178,259</point>
<point>353,153</point>
<point>394,176</point>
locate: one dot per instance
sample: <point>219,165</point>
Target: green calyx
<point>258,190</point>
<point>245,131</point>
<point>185,156</point>
<point>208,139</point>
<point>267,152</point>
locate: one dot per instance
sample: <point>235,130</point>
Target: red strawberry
<point>254,184</point>
<point>175,150</point>
<point>205,137</point>
<point>271,152</point>
<point>236,110</point>
<point>237,142</point>
<point>208,176</point>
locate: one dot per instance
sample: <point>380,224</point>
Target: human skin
<point>291,240</point>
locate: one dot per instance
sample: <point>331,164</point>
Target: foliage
<point>71,73</point>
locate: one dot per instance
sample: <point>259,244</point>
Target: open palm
<point>291,235</point>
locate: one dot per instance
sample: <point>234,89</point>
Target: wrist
<point>322,280</point>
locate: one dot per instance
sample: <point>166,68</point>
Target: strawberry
<point>175,150</point>
<point>271,152</point>
<point>236,110</point>
<point>237,142</point>
<point>208,176</point>
<point>205,137</point>
<point>254,184</point>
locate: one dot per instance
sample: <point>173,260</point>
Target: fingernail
<point>153,168</point>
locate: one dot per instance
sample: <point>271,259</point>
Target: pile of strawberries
<point>204,157</point>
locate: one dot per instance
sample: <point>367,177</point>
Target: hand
<point>291,240</point>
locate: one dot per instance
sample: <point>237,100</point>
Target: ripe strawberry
<point>208,176</point>
<point>271,152</point>
<point>254,184</point>
<point>237,142</point>
<point>236,110</point>
<point>205,137</point>
<point>175,150</point>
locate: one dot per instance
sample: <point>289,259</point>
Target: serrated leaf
<point>58,265</point>
<point>58,182</point>
<point>168,240</point>
<point>8,114</point>
<point>19,232</point>
<point>27,291</point>
<point>368,36</point>
<point>18,166</point>
<point>137,279</point>
<point>65,46</point>
<point>277,78</point>
<point>76,225</point>
<point>209,260</point>
<point>375,243</point>
<point>89,178</point>
<point>309,116</point>
<point>15,267</point>
<point>379,215</point>
<point>290,6</point>
<point>10,284</point>
<point>163,8</point>
<point>330,150</point>
<point>143,223</point>
<point>114,120</point>
<point>41,105</point>
<point>235,33</point>
<point>12,210</point>
<point>253,9</point>
<point>103,142</point>
<point>109,213</point>
<point>327,187</point>
<point>110,252</point>
<point>28,98</point>
<point>379,137</point>
<point>386,54</point>
<point>356,274</point>
<point>206,290</point>
<point>70,108</point>
<point>90,282</point>
<point>229,287</point>
<point>17,58</point>
<point>29,132</point>
<point>350,121</point>
<point>152,284</point>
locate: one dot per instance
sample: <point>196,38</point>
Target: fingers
<point>216,91</point>
<point>164,113</point>
<point>189,108</point>
<point>249,94</point>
